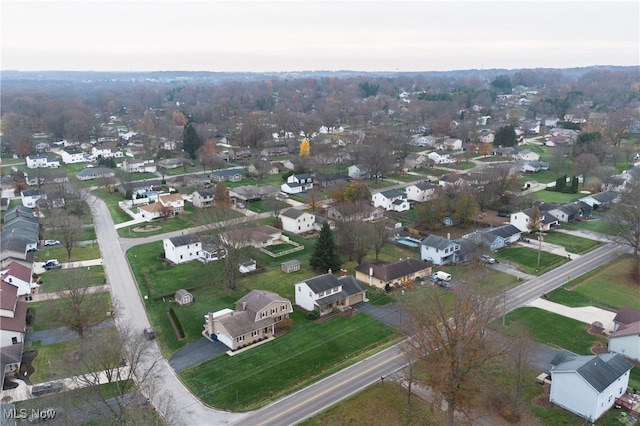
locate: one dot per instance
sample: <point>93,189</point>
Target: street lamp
<point>540,238</point>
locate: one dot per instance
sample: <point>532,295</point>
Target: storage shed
<point>183,297</point>
<point>290,266</point>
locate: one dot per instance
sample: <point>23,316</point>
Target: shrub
<point>177,322</point>
<point>31,316</point>
<point>387,287</point>
<point>313,315</point>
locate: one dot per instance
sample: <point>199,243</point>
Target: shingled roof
<point>597,370</point>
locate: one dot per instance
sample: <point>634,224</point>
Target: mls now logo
<point>23,413</point>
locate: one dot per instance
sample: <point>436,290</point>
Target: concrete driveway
<point>196,353</point>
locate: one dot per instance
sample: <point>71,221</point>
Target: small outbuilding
<point>248,266</point>
<point>183,297</point>
<point>290,266</point>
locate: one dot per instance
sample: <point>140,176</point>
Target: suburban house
<point>441,157</point>
<point>254,319</point>
<point>533,166</point>
<point>509,233</point>
<point>332,179</point>
<point>567,212</point>
<point>391,200</point>
<point>170,163</point>
<point>452,144</point>
<point>261,167</point>
<point>415,161</point>
<point>30,197</point>
<point>73,155</point>
<point>253,192</point>
<point>182,249</point>
<point>325,292</point>
<point>379,274</point>
<point>601,199</point>
<point>297,221</point>
<point>229,175</point>
<point>183,297</point>
<point>13,315</point>
<point>174,202</point>
<point>42,161</point>
<point>258,236</point>
<point>588,385</point>
<point>528,155</point>
<point>359,171</point>
<point>508,152</point>
<point>439,250</point>
<point>348,211</point>
<point>89,173</point>
<point>136,165</point>
<point>421,191</point>
<point>19,276</point>
<point>203,198</point>
<point>521,220</point>
<point>105,152</point>
<point>625,338</point>
<point>297,184</point>
<point>423,141</point>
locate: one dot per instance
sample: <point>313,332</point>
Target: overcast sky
<point>268,35</point>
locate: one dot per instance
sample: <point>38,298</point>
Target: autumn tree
<point>433,213</point>
<point>208,156</point>
<point>465,206</point>
<point>485,149</point>
<point>179,118</point>
<point>357,192</point>
<point>325,255</point>
<point>625,222</point>
<point>379,236</point>
<point>353,239</point>
<point>221,196</point>
<point>535,220</point>
<point>450,344</point>
<point>305,148</point>
<point>585,164</point>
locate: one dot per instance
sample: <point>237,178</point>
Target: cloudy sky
<point>270,35</point>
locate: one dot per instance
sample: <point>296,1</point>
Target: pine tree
<point>325,255</point>
<point>190,140</point>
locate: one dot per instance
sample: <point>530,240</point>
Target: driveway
<point>196,353</point>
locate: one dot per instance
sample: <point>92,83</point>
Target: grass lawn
<point>112,199</point>
<point>556,197</point>
<point>47,317</point>
<point>594,225</point>
<point>404,178</point>
<point>463,165</point>
<point>294,359</point>
<point>379,404</point>
<point>572,243</point>
<point>551,329</point>
<point>482,279</point>
<point>609,286</point>
<point>527,259</point>
<point>57,279</point>
<point>279,248</point>
<point>87,252</point>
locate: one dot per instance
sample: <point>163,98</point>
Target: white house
<point>359,171</point>
<point>439,250</point>
<point>297,221</point>
<point>42,161</point>
<point>182,249</point>
<point>325,292</point>
<point>391,200</point>
<point>19,276</point>
<point>528,155</point>
<point>421,191</point>
<point>105,152</point>
<point>203,198</point>
<point>625,338</point>
<point>441,157</point>
<point>70,156</point>
<point>30,197</point>
<point>297,184</point>
<point>135,165</point>
<point>521,220</point>
<point>174,201</point>
<point>588,385</point>
<point>452,144</point>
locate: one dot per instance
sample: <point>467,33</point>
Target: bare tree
<point>625,222</point>
<point>535,220</point>
<point>450,344</point>
<point>379,237</point>
<point>80,309</point>
<point>236,241</point>
<point>68,228</point>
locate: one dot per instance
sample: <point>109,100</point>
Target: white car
<point>51,242</point>
<point>487,259</point>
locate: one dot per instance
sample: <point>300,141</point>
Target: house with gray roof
<point>601,199</point>
<point>90,173</point>
<point>391,200</point>
<point>203,198</point>
<point>421,191</point>
<point>439,250</point>
<point>625,338</point>
<point>588,385</point>
<point>253,192</point>
<point>379,274</point>
<point>254,319</point>
<point>297,221</point>
<point>229,175</point>
<point>325,292</point>
<point>182,249</point>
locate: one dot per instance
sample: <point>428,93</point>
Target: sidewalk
<point>586,314</point>
<point>38,269</point>
<point>37,297</point>
<point>550,248</point>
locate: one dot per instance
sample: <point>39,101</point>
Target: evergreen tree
<point>190,140</point>
<point>505,136</point>
<point>325,255</point>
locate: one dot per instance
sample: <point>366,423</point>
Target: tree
<point>221,196</point>
<point>68,227</point>
<point>368,89</point>
<point>236,242</point>
<point>191,141</point>
<point>433,213</point>
<point>379,237</point>
<point>208,156</point>
<point>626,222</point>
<point>535,220</point>
<point>584,164</point>
<point>325,256</point>
<point>505,136</point>
<point>450,344</point>
<point>502,84</point>
<point>80,309</point>
<point>305,148</point>
<point>353,239</point>
<point>466,207</point>
<point>357,192</point>
<point>129,365</point>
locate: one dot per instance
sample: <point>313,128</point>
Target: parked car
<point>46,388</point>
<point>240,206</point>
<point>51,264</point>
<point>487,259</point>
<point>51,242</point>
<point>149,333</point>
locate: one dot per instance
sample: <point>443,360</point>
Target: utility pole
<point>540,238</point>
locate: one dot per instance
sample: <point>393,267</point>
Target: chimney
<point>448,236</point>
<point>244,306</point>
<point>210,323</point>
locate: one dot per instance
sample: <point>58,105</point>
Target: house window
<point>273,310</point>
<point>299,288</point>
<point>310,294</point>
<point>240,339</point>
<point>263,314</point>
<point>254,333</point>
<point>14,340</point>
<point>284,307</point>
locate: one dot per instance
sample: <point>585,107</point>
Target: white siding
<point>628,346</point>
<point>304,297</point>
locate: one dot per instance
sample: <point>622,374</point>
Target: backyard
<point>526,259</point>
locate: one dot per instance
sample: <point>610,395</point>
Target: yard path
<point>36,297</point>
<point>585,314</point>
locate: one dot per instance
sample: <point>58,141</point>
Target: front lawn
<point>551,329</point>
<point>58,279</point>
<point>47,318</point>
<point>112,199</point>
<point>78,253</point>
<point>527,259</point>
<point>571,243</point>
<point>594,225</point>
<point>556,197</point>
<point>609,286</point>
<point>302,355</point>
